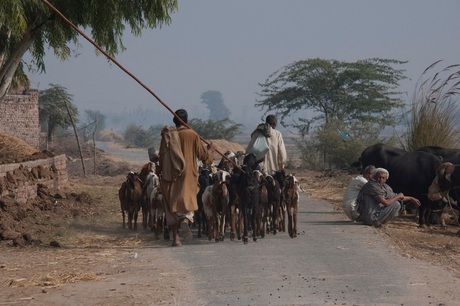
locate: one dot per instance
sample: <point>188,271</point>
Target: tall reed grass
<point>434,117</point>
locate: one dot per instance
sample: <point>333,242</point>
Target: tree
<point>215,103</point>
<point>53,111</point>
<point>31,25</point>
<point>358,98</point>
<point>91,117</point>
<point>349,92</point>
<point>211,129</point>
<point>136,135</point>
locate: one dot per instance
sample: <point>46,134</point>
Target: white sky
<point>231,46</point>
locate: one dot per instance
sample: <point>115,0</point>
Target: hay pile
<point>223,146</point>
<point>10,145</point>
<point>110,136</point>
<point>13,149</point>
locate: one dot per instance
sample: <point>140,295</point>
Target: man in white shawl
<point>353,189</point>
<point>276,157</point>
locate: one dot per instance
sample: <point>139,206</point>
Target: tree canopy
<point>215,129</point>
<point>343,105</point>
<point>361,91</point>
<point>215,103</point>
<point>52,105</point>
<point>94,120</point>
<point>31,25</point>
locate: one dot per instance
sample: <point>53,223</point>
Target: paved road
<point>332,262</point>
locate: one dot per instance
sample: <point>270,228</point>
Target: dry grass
<point>54,279</point>
<point>434,115</point>
<point>10,145</point>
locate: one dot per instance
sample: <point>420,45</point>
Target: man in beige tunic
<point>276,157</point>
<point>180,192</point>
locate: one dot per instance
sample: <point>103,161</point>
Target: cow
<point>130,196</point>
<point>447,178</point>
<point>447,155</point>
<point>215,204</point>
<point>291,199</point>
<point>453,196</point>
<point>410,173</point>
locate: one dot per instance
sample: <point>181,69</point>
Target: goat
<point>203,182</point>
<point>147,218</point>
<point>263,208</point>
<point>280,177</point>
<point>130,195</point>
<point>274,203</point>
<point>291,199</point>
<point>155,200</point>
<point>248,195</point>
<point>215,203</point>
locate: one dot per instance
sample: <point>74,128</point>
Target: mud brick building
<point>19,116</point>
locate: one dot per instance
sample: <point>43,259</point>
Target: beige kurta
<point>276,157</point>
<point>180,195</point>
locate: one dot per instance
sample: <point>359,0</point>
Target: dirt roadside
<point>95,251</point>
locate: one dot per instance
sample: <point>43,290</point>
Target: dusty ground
<point>84,229</point>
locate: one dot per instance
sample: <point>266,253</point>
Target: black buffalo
<point>447,155</point>
<point>411,172</point>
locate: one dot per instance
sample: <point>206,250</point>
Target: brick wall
<point>20,181</point>
<point>19,116</point>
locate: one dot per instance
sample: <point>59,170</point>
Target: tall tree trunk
<point>8,68</point>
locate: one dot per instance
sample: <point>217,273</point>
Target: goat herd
<point>235,195</point>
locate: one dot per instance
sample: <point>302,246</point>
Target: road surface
<point>332,262</point>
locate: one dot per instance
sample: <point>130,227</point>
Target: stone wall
<point>19,116</point>
<point>20,181</point>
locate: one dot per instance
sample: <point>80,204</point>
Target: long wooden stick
<point>111,58</point>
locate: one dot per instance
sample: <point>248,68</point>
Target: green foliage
<point>52,106</point>
<point>210,129</point>
<point>433,118</point>
<point>358,97</point>
<point>137,136</point>
<point>215,103</point>
<point>333,146</point>
<point>361,91</point>
<point>31,25</point>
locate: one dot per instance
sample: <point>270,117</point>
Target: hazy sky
<point>231,46</point>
